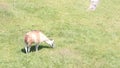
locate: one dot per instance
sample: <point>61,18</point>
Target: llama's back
<point>32,37</point>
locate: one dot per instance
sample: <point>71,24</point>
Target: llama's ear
<point>52,40</point>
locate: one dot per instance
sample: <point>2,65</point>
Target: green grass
<point>83,39</point>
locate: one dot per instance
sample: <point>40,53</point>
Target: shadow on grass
<point>32,49</point>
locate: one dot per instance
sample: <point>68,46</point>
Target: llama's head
<point>51,42</point>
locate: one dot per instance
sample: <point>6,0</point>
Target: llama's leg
<point>29,48</point>
<point>36,47</point>
<point>26,49</point>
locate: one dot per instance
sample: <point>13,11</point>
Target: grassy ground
<point>83,39</point>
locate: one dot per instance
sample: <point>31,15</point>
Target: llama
<point>93,4</point>
<point>36,37</point>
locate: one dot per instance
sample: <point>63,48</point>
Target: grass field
<point>83,39</point>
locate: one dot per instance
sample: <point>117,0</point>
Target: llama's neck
<point>43,38</point>
<point>48,41</point>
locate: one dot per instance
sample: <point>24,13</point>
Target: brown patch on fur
<point>29,39</point>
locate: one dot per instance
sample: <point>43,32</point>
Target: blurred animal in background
<point>93,4</point>
<point>36,37</point>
